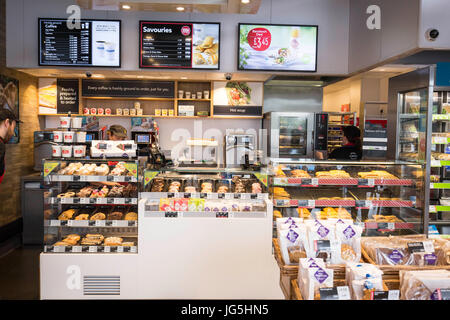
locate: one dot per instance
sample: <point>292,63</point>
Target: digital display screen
<point>181,45</point>
<point>94,43</point>
<point>143,138</point>
<point>277,47</point>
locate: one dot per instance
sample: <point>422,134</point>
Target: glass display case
<point>290,134</point>
<point>91,206</point>
<point>440,163</point>
<point>411,126</point>
<point>386,198</point>
<point>204,192</point>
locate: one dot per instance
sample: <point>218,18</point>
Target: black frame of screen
<point>177,68</point>
<point>80,65</point>
<point>281,25</point>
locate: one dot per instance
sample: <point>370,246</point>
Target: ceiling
<point>194,6</point>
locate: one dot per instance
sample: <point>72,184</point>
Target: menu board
<point>277,47</point>
<point>183,45</point>
<point>95,43</point>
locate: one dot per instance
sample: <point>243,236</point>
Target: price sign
<point>102,201</point>
<point>371,182</point>
<point>433,209</point>
<point>245,196</point>
<point>259,39</point>
<point>385,295</point>
<point>99,223</point>
<point>66,200</point>
<point>228,196</point>
<point>49,167</point>
<point>92,249</point>
<point>314,182</point>
<point>335,293</point>
<point>311,203</point>
<point>76,249</point>
<point>55,223</point>
<point>70,223</point>
<point>118,200</point>
<point>416,247</point>
<point>120,249</point>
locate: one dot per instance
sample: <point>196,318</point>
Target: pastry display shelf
<point>204,214</point>
<point>388,226</point>
<point>358,204</point>
<point>212,195</point>
<point>106,200</point>
<point>91,223</point>
<point>90,249</point>
<point>76,178</point>
<point>314,182</point>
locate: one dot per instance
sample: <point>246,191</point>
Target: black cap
<point>351,132</point>
<point>8,114</point>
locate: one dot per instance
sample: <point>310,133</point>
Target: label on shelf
<point>118,200</point>
<point>66,200</point>
<point>99,223</point>
<point>432,209</point>
<point>76,249</point>
<point>245,196</point>
<point>441,116</point>
<point>371,182</point>
<point>92,249</point>
<point>221,214</point>
<point>133,249</point>
<point>335,293</point>
<point>311,203</point>
<point>55,223</point>
<point>102,201</point>
<point>170,214</point>
<point>120,249</point>
<point>386,226</point>
<point>315,182</point>
<point>385,295</point>
<point>439,140</point>
<point>440,294</point>
<point>49,167</point>
<point>416,247</point>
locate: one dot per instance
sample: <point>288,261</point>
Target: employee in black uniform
<point>351,149</point>
<point>8,121</point>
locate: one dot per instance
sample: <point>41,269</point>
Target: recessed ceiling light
<point>245,1</point>
<point>126,7</point>
<point>180,8</point>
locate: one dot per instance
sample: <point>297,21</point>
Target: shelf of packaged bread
<point>100,200</point>
<point>90,223</point>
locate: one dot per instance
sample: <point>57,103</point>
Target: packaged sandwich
<point>423,284</point>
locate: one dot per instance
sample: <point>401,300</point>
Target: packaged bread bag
<point>349,237</point>
<point>317,278</point>
<point>362,279</point>
<point>293,244</point>
<point>323,243</point>
<point>423,284</point>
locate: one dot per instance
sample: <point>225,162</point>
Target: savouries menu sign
<point>95,43</point>
<point>277,47</point>
<point>183,45</point>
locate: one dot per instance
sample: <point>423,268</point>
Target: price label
<point>229,196</point>
<point>259,39</point>
<point>433,209</point>
<point>120,249</point>
<point>428,246</point>
<point>66,200</point>
<point>106,249</point>
<point>371,182</point>
<point>115,223</point>
<point>102,201</point>
<point>70,223</point>
<point>55,223</point>
<point>76,249</point>
<point>92,249</point>
<point>385,295</point>
<point>245,196</point>
<point>435,163</point>
<point>315,182</point>
<point>391,226</point>
<point>394,295</point>
<point>260,196</point>
<point>110,200</point>
<point>100,223</point>
<point>133,249</point>
<point>343,293</point>
<point>369,204</point>
<point>118,200</point>
<point>311,203</point>
<point>328,293</point>
<point>416,247</point>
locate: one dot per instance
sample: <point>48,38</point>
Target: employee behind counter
<point>351,148</point>
<point>117,133</point>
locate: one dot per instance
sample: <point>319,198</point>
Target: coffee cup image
<point>101,48</point>
<point>110,50</point>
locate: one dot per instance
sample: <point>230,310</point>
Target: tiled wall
<point>19,157</point>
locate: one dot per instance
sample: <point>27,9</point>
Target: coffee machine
<point>43,141</point>
<point>240,151</point>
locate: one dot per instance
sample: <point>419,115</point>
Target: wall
<point>348,92</point>
<point>292,98</point>
<point>331,16</point>
<point>434,14</point>
<point>397,36</point>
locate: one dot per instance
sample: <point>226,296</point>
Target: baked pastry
<point>256,187</point>
<point>303,213</point>
<point>128,244</point>
<point>347,253</point>
<point>116,215</point>
<point>92,239</point>
<point>157,185</point>
<point>83,216</point>
<point>98,216</point>
<point>222,189</point>
<point>277,214</point>
<point>61,243</point>
<point>297,173</point>
<point>67,215</point>
<point>190,189</point>
<point>113,241</point>
<point>131,216</point>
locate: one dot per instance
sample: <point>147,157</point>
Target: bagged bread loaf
<point>293,244</point>
<point>323,243</point>
<point>349,237</point>
<point>422,285</point>
<point>312,275</point>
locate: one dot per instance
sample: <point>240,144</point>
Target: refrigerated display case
<point>290,134</point>
<point>385,197</point>
<point>440,162</point>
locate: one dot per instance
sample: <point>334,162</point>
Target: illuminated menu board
<point>92,43</point>
<point>179,45</point>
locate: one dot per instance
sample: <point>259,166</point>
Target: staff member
<point>8,121</point>
<point>117,133</point>
<point>351,149</point>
